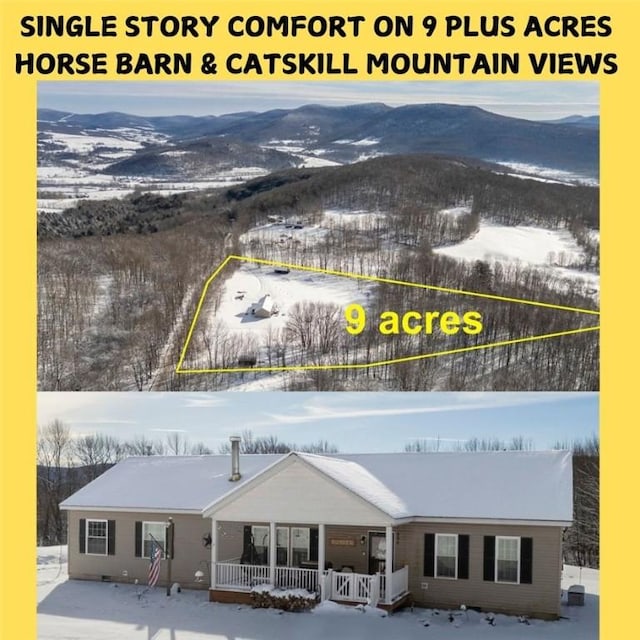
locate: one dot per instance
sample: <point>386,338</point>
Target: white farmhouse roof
<point>166,483</point>
<point>502,485</point>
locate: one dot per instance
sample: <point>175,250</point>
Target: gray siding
<point>540,598</point>
<point>190,554</point>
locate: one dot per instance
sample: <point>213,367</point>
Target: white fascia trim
<point>195,512</point>
<point>493,521</point>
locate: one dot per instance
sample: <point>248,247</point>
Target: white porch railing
<point>294,578</point>
<point>399,584</point>
<point>333,585</point>
<point>240,577</point>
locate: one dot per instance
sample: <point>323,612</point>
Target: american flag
<point>154,564</point>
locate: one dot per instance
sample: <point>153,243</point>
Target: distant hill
<point>351,133</point>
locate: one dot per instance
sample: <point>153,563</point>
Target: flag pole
<point>169,552</point>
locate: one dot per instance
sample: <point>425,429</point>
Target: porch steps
<point>403,600</point>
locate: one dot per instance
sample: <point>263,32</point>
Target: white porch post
<point>214,551</point>
<point>388,564</point>
<point>321,559</point>
<point>272,553</point>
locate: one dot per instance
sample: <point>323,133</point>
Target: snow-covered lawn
<point>246,286</point>
<point>104,611</point>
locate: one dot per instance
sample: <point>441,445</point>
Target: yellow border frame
<point>620,226</point>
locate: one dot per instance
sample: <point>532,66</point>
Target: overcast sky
<point>542,100</point>
<point>355,422</point>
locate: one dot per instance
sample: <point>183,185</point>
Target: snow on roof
<point>166,483</point>
<point>501,485</point>
<point>356,478</point>
<point>511,485</point>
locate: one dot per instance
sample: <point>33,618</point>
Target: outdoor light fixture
<point>363,539</point>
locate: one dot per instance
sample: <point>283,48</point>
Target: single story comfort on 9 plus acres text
<point>480,529</point>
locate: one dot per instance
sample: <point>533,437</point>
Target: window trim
<point>105,537</point>
<point>435,556</point>
<point>289,547</point>
<point>518,559</point>
<point>163,542</point>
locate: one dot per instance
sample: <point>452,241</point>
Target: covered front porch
<point>348,564</point>
<point>307,522</point>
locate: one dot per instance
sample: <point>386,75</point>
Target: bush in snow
<point>266,597</point>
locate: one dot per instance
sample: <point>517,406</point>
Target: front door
<point>377,552</point>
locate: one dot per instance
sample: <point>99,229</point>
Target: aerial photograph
<point>316,236</point>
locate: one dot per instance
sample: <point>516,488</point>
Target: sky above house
<point>354,422</point>
<point>541,100</point>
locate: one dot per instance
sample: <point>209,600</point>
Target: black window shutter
<point>463,557</point>
<point>82,538</point>
<point>526,560</point>
<point>313,544</point>
<point>171,540</point>
<point>138,539</point>
<point>111,537</point>
<point>429,553</point>
<point>490,558</point>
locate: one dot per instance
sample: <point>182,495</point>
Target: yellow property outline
<point>381,363</point>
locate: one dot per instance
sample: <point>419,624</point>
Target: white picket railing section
<point>245,576</point>
<point>399,584</point>
<point>334,585</point>
<point>294,578</point>
<point>240,576</point>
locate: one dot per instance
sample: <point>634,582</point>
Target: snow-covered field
<point>66,186</point>
<point>556,251</point>
<point>69,609</point>
<point>251,282</point>
<point>546,174</point>
<point>532,245</point>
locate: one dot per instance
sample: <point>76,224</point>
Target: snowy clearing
<point>106,611</point>
<point>250,283</point>
<point>554,251</point>
<point>551,175</point>
<point>532,245</point>
<point>77,143</point>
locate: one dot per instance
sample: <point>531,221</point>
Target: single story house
<point>481,529</point>
<point>265,307</point>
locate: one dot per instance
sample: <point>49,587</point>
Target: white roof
<point>497,485</point>
<point>512,485</point>
<point>166,483</point>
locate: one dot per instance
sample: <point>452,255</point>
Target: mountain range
<point>313,135</point>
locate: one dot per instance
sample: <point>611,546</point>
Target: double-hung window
<point>446,555</point>
<point>507,559</point>
<point>96,541</point>
<point>153,533</point>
